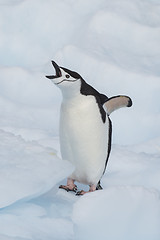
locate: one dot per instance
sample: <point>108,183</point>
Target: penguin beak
<point>57,69</point>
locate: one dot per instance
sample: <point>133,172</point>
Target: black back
<point>86,90</point>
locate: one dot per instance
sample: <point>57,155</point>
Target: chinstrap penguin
<point>85,127</point>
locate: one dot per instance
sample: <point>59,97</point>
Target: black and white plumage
<point>85,127</point>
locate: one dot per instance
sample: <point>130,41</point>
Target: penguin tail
<point>99,187</point>
<point>117,102</point>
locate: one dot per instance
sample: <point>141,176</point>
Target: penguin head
<point>65,79</point>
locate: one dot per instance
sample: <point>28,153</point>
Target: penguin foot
<point>92,189</point>
<point>68,188</point>
<point>80,193</point>
<point>99,187</point>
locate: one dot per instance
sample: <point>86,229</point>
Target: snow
<point>117,208</point>
<point>23,171</point>
<point>114,45</point>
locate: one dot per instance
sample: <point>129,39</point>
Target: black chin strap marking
<point>65,80</point>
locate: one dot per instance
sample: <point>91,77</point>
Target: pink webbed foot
<point>70,187</point>
<point>81,193</point>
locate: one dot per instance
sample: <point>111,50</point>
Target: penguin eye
<point>67,76</point>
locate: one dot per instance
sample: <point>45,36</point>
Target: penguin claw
<point>80,193</point>
<point>74,189</point>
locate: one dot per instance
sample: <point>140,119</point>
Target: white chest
<point>79,116</point>
<point>83,137</point>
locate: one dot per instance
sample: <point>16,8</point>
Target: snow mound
<point>27,169</point>
<point>27,100</point>
<point>118,213</point>
<point>125,166</point>
<point>30,221</point>
<point>115,46</point>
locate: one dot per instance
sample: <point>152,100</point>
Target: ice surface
<point>115,46</point>
<point>27,169</point>
<point>118,213</point>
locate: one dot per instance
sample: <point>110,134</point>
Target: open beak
<point>57,69</point>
